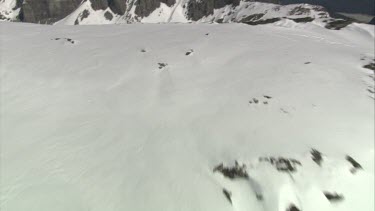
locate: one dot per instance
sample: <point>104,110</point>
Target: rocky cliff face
<point>119,11</point>
<point>145,7</point>
<point>46,11</point>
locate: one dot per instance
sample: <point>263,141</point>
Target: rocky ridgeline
<point>51,11</point>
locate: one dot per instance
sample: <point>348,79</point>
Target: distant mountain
<point>79,12</point>
<point>347,6</point>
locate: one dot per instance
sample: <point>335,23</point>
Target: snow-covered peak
<point>77,12</point>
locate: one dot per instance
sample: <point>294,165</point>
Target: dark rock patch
<point>117,6</point>
<point>267,97</point>
<point>293,207</point>
<point>145,7</point>
<point>66,39</point>
<point>228,195</point>
<point>45,11</point>
<point>108,16</point>
<point>234,172</point>
<point>354,163</point>
<point>197,9</point>
<point>220,20</point>
<point>162,65</point>
<point>302,20</point>
<point>189,52</point>
<point>2,17</point>
<point>254,100</point>
<point>370,66</point>
<point>307,63</point>
<point>333,197</point>
<point>85,14</point>
<point>99,4</point>
<point>284,111</point>
<point>316,156</point>
<point>337,24</point>
<point>253,17</point>
<point>282,164</point>
<point>222,3</point>
<point>261,22</point>
<point>300,10</point>
<point>259,197</point>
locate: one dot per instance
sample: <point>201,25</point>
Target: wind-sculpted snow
<point>136,117</point>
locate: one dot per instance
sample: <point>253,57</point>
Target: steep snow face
<point>140,117</point>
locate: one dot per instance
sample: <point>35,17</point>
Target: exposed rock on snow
<point>69,40</point>
<point>370,66</point>
<point>227,195</point>
<point>162,65</point>
<point>333,197</point>
<point>337,24</point>
<point>234,172</point>
<point>317,156</point>
<point>355,165</point>
<point>258,183</point>
<point>282,164</point>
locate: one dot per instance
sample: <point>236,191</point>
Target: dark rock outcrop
<point>333,197</point>
<point>146,7</point>
<point>108,15</point>
<point>338,24</point>
<point>234,172</point>
<point>46,11</point>
<point>117,6</point>
<point>99,4</point>
<point>197,9</point>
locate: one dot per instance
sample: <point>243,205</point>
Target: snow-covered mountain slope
<point>139,117</point>
<point>186,11</point>
<point>77,12</point>
<point>9,10</point>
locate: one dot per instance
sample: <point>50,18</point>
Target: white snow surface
<point>92,123</point>
<point>7,9</point>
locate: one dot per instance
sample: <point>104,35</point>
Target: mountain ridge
<point>78,12</point>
